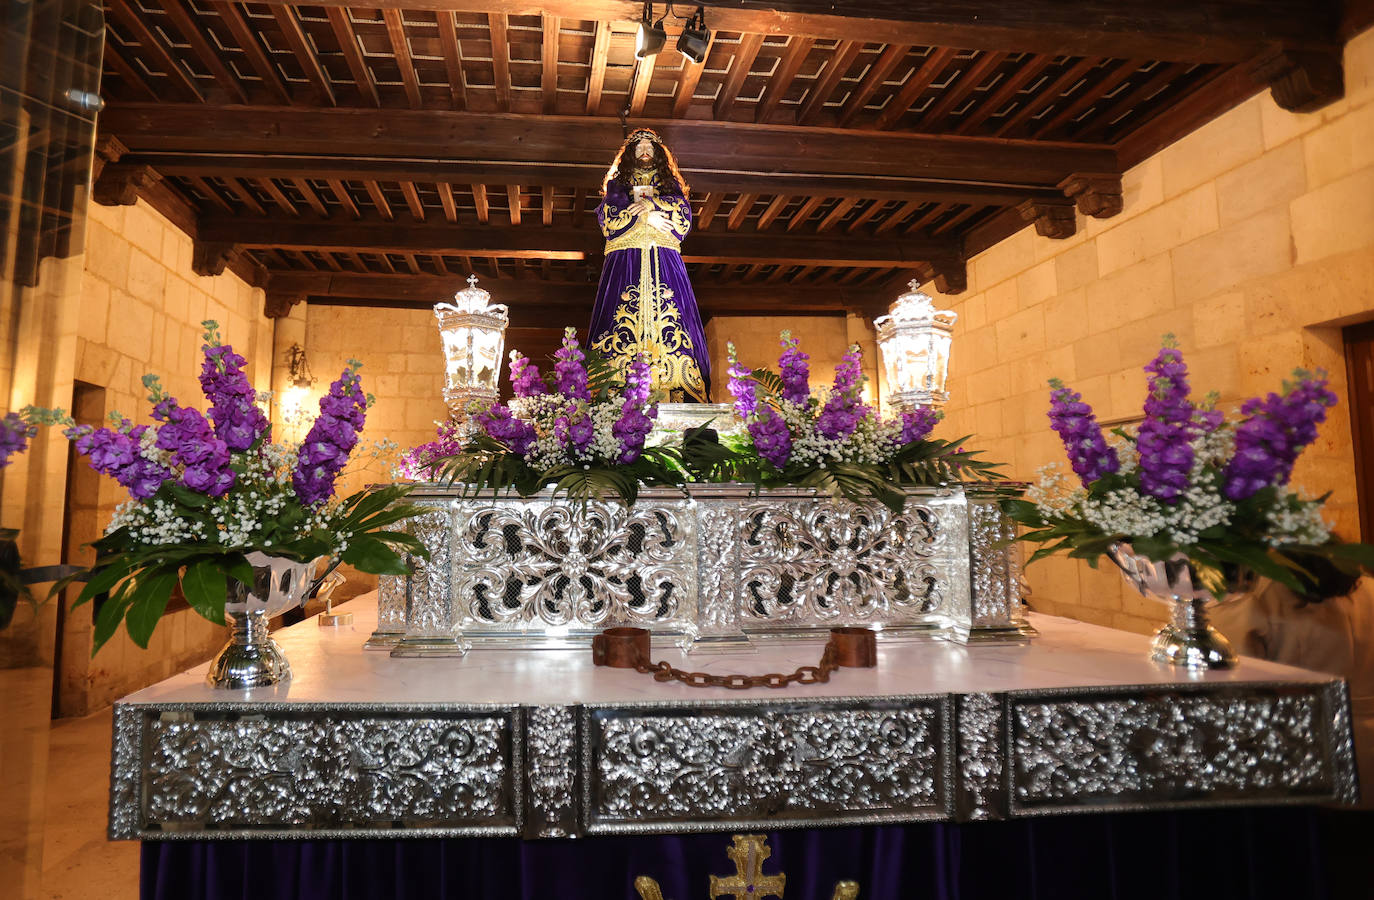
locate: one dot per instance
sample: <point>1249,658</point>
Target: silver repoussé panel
<point>210,770</point>
<point>1081,750</point>
<point>669,768</point>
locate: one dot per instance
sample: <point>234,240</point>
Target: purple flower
<point>772,440</point>
<point>118,453</point>
<point>1076,426</point>
<point>573,429</point>
<point>572,376</point>
<point>417,461</point>
<point>842,412</point>
<point>502,426</point>
<point>191,440</point>
<point>325,450</point>
<point>234,410</point>
<point>1274,432</point>
<point>524,376</point>
<point>794,369</point>
<point>918,423</point>
<point>635,422</point>
<point>1166,457</point>
<point>14,436</point>
<point>742,387</point>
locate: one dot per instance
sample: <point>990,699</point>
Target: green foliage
<point>139,579</point>
<point>919,463</point>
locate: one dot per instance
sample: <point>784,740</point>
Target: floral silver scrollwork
<point>560,564</point>
<point>996,574</point>
<point>328,771</point>
<point>819,561</point>
<point>870,764</point>
<point>430,613</point>
<point>391,604</point>
<point>980,756</point>
<point>126,771</point>
<point>717,561</point>
<point>1170,747</point>
<point>551,763</point>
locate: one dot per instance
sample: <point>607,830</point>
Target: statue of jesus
<point>644,303</point>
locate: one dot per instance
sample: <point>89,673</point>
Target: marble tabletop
<point>330,666</point>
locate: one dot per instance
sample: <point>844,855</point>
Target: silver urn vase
<point>251,658</point>
<point>1188,640</point>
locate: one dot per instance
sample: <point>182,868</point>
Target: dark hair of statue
<point>622,170</point>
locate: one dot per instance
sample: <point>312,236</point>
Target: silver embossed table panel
<point>712,568</point>
<point>544,744</point>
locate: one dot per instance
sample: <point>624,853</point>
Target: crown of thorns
<point>641,134</point>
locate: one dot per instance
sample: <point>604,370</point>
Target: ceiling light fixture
<point>695,39</point>
<point>649,38</point>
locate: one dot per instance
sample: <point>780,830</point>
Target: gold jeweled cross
<point>748,882</point>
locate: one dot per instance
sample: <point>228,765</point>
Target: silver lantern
<point>914,339</point>
<point>474,334</point>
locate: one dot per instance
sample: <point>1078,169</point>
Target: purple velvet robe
<point>644,303</point>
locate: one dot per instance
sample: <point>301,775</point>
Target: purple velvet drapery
<point>1290,853</point>
<point>676,330</point>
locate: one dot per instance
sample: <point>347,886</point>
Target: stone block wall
<point>1251,240</point>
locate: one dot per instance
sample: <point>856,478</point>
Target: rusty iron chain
<point>817,674</point>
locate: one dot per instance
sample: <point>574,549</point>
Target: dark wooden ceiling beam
<point>353,55</point>
<point>453,59</point>
<point>953,96</point>
<point>1090,96</point>
<point>310,64</point>
<point>575,176</point>
<point>157,49</point>
<point>446,198</point>
<point>548,73</point>
<point>740,64</point>
<point>688,78</point>
<point>128,75</point>
<point>311,198</point>
<point>400,48</point>
<point>379,201</point>
<point>1045,96</point>
<point>596,77</point>
<point>417,209</point>
<point>803,214</point>
<point>639,90</point>
<point>915,86</point>
<point>772,211</point>
<point>542,141</point>
<point>377,236</point>
<point>269,186</point>
<point>880,71</point>
<point>567,301</point>
<point>781,79</point>
<point>740,211</point>
<point>247,39</point>
<point>1028,71</point>
<point>835,68</point>
<point>1184,30</point>
<point>208,56</point>
<point>500,59</point>
<point>343,196</point>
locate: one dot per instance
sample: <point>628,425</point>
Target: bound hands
<point>656,219</point>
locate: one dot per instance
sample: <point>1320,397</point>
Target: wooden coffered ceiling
<point>377,155</point>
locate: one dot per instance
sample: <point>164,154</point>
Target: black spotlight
<point>649,38</point>
<point>695,39</point>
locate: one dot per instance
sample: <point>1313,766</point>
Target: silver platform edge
<point>300,770</point>
<point>716,567</point>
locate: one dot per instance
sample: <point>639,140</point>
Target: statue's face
<point>644,152</point>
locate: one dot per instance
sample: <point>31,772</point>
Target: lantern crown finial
<point>472,280</point>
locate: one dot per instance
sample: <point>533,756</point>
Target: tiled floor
<point>78,862</point>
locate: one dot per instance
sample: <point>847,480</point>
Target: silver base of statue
<point>251,659</point>
<point>1015,633</point>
